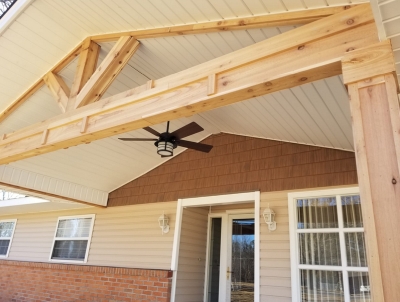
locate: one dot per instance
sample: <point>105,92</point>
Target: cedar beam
<point>370,76</point>
<point>58,88</point>
<point>270,20</point>
<point>280,19</point>
<point>38,84</point>
<point>108,70</point>
<point>87,64</point>
<point>278,63</point>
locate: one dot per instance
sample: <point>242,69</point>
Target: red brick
<point>30,281</point>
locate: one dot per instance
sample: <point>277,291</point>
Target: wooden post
<point>372,84</point>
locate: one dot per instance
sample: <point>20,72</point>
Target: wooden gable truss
<point>345,42</point>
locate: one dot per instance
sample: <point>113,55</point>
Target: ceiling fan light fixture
<point>165,148</point>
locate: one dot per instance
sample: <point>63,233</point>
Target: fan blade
<point>187,130</point>
<point>152,131</point>
<point>195,146</point>
<point>138,139</point>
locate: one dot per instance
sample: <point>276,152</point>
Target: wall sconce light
<point>163,221</point>
<point>269,217</point>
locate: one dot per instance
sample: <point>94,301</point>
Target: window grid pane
<point>351,209</point>
<point>359,287</point>
<point>69,250</point>
<point>6,229</point>
<point>317,213</point>
<point>4,244</point>
<point>318,285</point>
<point>77,227</point>
<point>355,249</point>
<point>319,249</point>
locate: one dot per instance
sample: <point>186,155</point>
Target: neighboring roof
<point>314,114</point>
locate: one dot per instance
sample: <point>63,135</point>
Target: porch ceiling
<point>315,114</point>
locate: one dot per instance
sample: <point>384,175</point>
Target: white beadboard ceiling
<point>315,114</point>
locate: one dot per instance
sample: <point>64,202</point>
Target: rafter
<point>300,56</point>
<point>39,83</point>
<point>270,20</point>
<point>58,88</point>
<point>87,64</point>
<point>108,70</point>
<point>279,19</point>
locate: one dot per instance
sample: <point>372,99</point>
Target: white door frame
<point>214,201</point>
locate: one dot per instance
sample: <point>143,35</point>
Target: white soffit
<point>43,186</point>
<point>315,114</point>
<point>388,11</point>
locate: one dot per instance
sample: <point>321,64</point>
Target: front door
<point>230,268</point>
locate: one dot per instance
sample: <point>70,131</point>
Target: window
<point>72,238</point>
<point>6,235</point>
<point>328,252</point>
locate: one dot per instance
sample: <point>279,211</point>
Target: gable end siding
<point>239,164</point>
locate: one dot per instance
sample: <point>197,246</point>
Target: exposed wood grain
<point>84,124</point>
<point>241,75</point>
<point>87,64</point>
<point>368,62</point>
<point>44,136</point>
<point>150,84</point>
<point>376,124</point>
<point>365,185</point>
<point>270,20</point>
<point>58,89</point>
<point>108,70</point>
<point>300,17</point>
<point>39,83</point>
<point>212,84</point>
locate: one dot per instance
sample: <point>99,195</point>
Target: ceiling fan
<point>167,142</point>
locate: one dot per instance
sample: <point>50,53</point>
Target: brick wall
<point>30,281</point>
<point>239,164</point>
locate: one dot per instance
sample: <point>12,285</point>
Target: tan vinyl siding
<point>122,236</point>
<point>192,255</point>
<point>275,251</point>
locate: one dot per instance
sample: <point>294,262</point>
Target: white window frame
<point>10,238</point>
<point>89,238</point>
<point>294,244</point>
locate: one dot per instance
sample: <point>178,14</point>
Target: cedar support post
<point>372,85</point>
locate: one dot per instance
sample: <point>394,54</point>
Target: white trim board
<point>15,177</point>
<point>215,201</point>
<point>9,17</point>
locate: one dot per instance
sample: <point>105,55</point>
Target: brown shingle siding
<point>237,164</point>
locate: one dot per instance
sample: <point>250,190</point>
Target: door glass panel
<point>242,269</point>
<point>214,263</point>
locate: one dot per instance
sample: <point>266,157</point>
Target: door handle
<point>228,272</point>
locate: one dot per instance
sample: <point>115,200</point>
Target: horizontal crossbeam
<point>303,55</point>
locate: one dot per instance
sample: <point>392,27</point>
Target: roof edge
<point>9,17</point>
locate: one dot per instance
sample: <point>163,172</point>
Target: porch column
<point>369,74</point>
